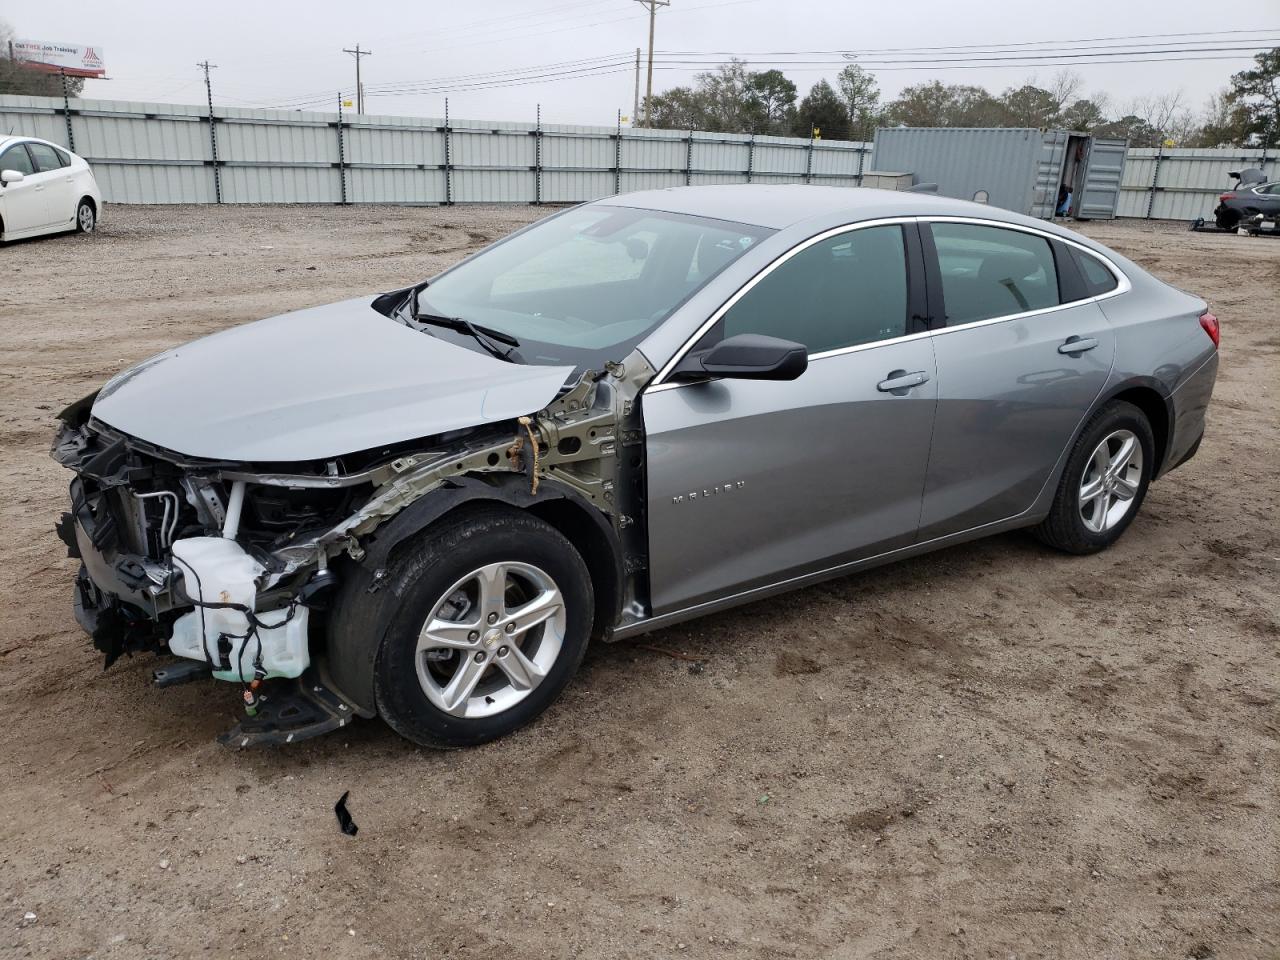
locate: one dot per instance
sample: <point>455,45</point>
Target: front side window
<point>46,158</point>
<point>846,290</point>
<point>586,286</point>
<point>16,158</point>
<point>993,272</point>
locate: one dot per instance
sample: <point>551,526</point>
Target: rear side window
<point>45,156</point>
<point>843,291</point>
<point>993,272</point>
<point>1097,278</point>
<point>16,158</point>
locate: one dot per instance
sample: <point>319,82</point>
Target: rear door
<point>752,483</point>
<point>21,204</point>
<point>58,182</point>
<point>1104,168</point>
<point>1024,354</point>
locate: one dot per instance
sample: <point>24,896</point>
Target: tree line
<point>733,99</point>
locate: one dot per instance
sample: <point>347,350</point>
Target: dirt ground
<point>992,752</point>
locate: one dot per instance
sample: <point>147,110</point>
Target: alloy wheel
<point>491,639</point>
<point>84,216</point>
<point>1111,481</point>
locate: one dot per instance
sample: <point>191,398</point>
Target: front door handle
<point>1077,345</point>
<point>899,381</point>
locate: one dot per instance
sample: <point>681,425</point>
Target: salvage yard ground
<point>993,751</point>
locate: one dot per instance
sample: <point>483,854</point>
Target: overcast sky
<point>291,53</point>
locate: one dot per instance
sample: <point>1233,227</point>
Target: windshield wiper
<point>487,337</point>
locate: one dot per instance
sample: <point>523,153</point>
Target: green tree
<point>773,99</point>
<point>679,108</point>
<point>1137,130</point>
<point>1257,92</point>
<point>1029,106</point>
<point>861,96</point>
<point>1226,122</point>
<point>929,104</point>
<point>1083,115</point>
<point>823,110</point>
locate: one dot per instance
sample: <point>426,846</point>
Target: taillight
<point>1224,197</point>
<point>1211,327</point>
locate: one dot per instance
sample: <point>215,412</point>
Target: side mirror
<point>11,176</point>
<point>748,356</point>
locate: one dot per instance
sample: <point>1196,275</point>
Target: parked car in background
<point>422,505</point>
<point>1250,197</point>
<point>45,189</point>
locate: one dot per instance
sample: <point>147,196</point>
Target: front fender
<point>363,611</point>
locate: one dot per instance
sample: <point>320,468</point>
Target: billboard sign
<point>71,58</point>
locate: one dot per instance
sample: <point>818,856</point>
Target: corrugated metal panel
<point>649,181</point>
<point>493,186</point>
<point>575,187</point>
<point>1043,200</point>
<point>1102,176</point>
<point>963,161</point>
<point>577,152</point>
<point>492,147</point>
<point>160,153</point>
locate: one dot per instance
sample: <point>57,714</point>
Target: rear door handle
<point>1076,345</point>
<point>899,381</point>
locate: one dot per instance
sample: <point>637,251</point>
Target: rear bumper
<point>1190,404</point>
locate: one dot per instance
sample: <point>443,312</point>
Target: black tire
<point>1064,528</point>
<point>1227,219</point>
<point>418,578</point>
<point>86,224</point>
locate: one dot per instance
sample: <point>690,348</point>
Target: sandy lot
<point>991,752</point>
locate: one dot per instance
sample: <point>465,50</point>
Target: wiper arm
<point>487,337</point>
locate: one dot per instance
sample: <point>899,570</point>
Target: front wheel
<point>86,217</point>
<point>495,610</point>
<point>1104,483</point>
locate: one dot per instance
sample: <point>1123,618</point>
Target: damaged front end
<point>233,567</point>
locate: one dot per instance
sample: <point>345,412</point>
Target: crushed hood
<point>317,383</point>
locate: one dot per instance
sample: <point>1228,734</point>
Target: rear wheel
<point>86,216</point>
<point>1104,483</point>
<point>494,614</point>
<point>1227,219</point>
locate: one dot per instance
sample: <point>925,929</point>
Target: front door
<point>752,483</point>
<point>1017,372</point>
<point>24,207</point>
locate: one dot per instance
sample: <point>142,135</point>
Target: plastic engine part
<point>216,570</point>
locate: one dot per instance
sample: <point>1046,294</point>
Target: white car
<point>44,189</point>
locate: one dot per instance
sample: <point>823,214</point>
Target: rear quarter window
<point>1098,278</point>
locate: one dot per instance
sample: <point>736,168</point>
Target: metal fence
<point>166,153</point>
<point>1183,183</point>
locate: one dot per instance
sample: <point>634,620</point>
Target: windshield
<point>584,287</point>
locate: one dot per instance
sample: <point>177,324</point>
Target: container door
<point>1104,166</point>
<point>1053,152</point>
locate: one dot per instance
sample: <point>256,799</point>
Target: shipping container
<point>1021,169</point>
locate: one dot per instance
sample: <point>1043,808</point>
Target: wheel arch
<point>1156,405</point>
<point>351,644</point>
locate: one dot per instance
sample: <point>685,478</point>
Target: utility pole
<point>358,53</point>
<point>635,111</point>
<point>652,6</point>
<point>206,66</point>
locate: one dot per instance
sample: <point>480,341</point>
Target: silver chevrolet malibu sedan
<point>422,505</point>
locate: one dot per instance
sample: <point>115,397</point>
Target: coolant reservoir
<point>217,570</point>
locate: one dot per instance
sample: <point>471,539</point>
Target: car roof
<point>779,206</point>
